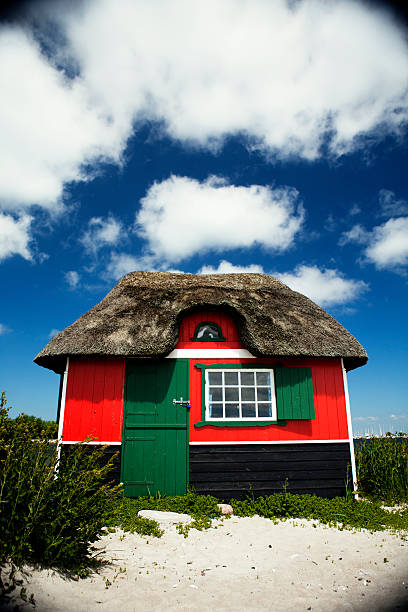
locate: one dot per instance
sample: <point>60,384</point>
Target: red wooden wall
<point>330,407</point>
<point>95,388</point>
<point>330,404</point>
<point>94,400</point>
<point>228,327</point>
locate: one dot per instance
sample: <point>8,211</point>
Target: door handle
<point>182,402</point>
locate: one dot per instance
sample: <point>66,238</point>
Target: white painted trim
<point>269,442</point>
<point>210,353</point>
<point>62,413</point>
<point>350,429</point>
<point>92,442</point>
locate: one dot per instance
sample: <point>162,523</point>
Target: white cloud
<point>101,233</point>
<point>325,287</point>
<point>399,417</point>
<point>45,142</point>
<point>388,247</point>
<point>387,244</point>
<point>390,206</point>
<point>225,267</point>
<point>356,234</point>
<point>122,263</point>
<point>4,329</point>
<point>354,210</point>
<point>287,74</point>
<point>72,278</point>
<point>14,236</point>
<point>53,332</point>
<point>364,419</point>
<point>181,216</point>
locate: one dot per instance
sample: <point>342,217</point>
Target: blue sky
<point>216,137</point>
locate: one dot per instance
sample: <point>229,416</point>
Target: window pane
<point>248,410</point>
<point>208,331</point>
<point>263,378</point>
<point>231,378</point>
<point>215,411</point>
<point>263,395</point>
<point>235,394</point>
<point>215,378</point>
<point>248,394</point>
<point>215,394</point>
<point>231,411</point>
<point>265,410</point>
<point>231,394</point>
<point>247,378</point>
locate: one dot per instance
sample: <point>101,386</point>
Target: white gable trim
<point>201,353</point>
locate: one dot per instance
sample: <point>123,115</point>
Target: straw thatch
<point>140,318</point>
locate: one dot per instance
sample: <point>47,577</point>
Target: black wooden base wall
<point>233,470</point>
<point>108,452</point>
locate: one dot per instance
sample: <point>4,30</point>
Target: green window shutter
<point>294,393</point>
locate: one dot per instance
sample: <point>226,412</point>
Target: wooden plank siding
<point>94,400</point>
<point>190,322</point>
<point>233,471</point>
<point>155,443</point>
<point>330,422</point>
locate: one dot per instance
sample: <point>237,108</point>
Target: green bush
<point>201,507</point>
<point>191,503</point>
<point>382,468</point>
<point>342,512</point>
<point>47,519</point>
<point>37,427</point>
<point>347,513</point>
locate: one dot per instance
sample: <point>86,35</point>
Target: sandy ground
<point>243,564</point>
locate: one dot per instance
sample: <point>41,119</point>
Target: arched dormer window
<point>208,331</point>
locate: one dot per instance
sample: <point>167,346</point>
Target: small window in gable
<point>207,331</point>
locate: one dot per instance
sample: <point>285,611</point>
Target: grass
<point>344,513</point>
<point>202,508</point>
<point>382,468</point>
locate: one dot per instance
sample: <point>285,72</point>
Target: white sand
<point>244,564</point>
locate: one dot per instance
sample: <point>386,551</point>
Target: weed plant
<point>341,512</point>
<point>382,468</point>
<point>47,519</point>
<point>202,508</point>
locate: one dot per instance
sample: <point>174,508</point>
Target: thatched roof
<point>140,318</point>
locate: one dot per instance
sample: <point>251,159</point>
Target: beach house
<point>227,383</point>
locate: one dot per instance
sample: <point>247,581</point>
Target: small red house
<point>227,383</point>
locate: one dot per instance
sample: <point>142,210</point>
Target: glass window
<point>241,394</point>
<point>207,332</point>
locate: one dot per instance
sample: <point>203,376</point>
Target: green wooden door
<point>155,431</point>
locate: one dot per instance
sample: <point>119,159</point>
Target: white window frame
<point>240,418</point>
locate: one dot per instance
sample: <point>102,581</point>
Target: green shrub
<point>37,427</point>
<point>342,512</point>
<point>201,507</point>
<point>382,468</point>
<point>126,518</point>
<point>347,513</point>
<point>195,505</point>
<point>47,519</point>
